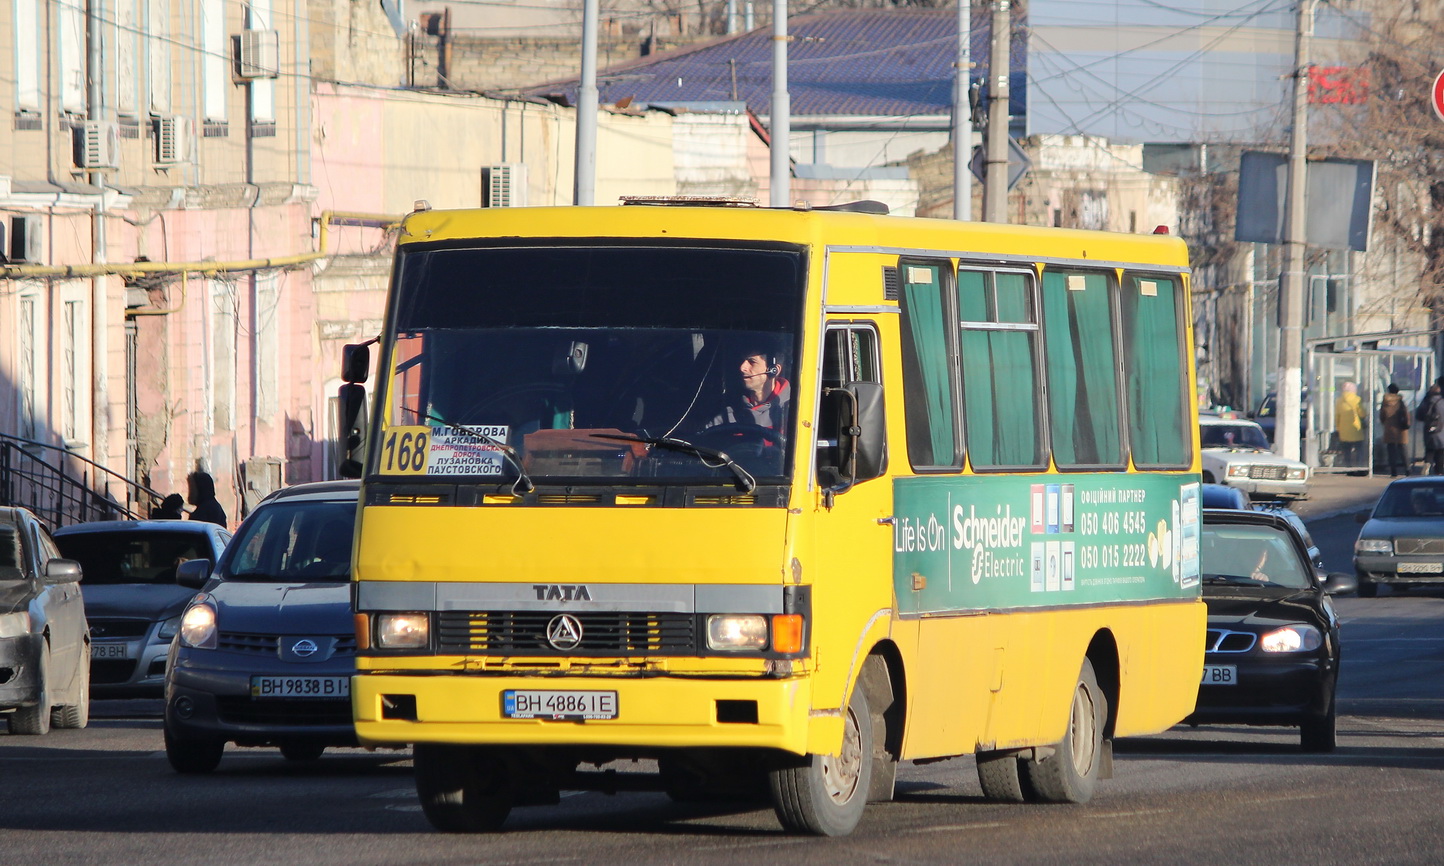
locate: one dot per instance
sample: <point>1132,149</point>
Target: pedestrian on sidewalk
<point>1431,414</point>
<point>1396,420</point>
<point>1349,424</point>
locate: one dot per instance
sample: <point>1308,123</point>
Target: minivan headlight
<point>15,624</point>
<point>1374,545</point>
<point>198,626</point>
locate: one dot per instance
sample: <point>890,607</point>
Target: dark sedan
<point>131,597</point>
<point>44,665</point>
<point>265,653</point>
<point>1402,542</point>
<point>1272,656</point>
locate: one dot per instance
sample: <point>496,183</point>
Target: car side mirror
<point>61,571</point>
<point>193,573</point>
<point>1340,582</point>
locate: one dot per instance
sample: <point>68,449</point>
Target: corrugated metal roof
<point>888,62</point>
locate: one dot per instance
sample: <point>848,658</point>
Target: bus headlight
<point>1291,639</point>
<point>198,626</point>
<point>403,630</point>
<point>733,631</point>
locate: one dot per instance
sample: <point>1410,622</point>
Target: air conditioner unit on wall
<point>258,54</point>
<point>504,185</point>
<point>172,140</point>
<point>97,144</point>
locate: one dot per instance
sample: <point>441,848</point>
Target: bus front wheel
<point>1070,773</point>
<point>825,794</point>
<point>463,789</point>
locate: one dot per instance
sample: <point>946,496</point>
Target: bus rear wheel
<point>1002,777</point>
<point>1070,773</point>
<point>463,789</point>
<point>825,794</point>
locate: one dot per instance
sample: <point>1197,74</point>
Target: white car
<point>1236,453</point>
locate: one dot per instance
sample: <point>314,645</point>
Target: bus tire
<point>462,789</point>
<point>1002,777</point>
<point>1070,773</point>
<point>825,794</point>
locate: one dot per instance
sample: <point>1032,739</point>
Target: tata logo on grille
<point>564,632</point>
<point>304,647</point>
<point>561,592</point>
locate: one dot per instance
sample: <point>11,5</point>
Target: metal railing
<point>67,488</point>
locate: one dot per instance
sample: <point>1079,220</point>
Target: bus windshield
<point>606,364</point>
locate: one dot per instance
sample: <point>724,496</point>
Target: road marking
<point>981,825</point>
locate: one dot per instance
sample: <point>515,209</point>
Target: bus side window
<point>849,357</point>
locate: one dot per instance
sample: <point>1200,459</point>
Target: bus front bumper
<point>650,714</point>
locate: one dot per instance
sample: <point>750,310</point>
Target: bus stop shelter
<point>1372,362</point>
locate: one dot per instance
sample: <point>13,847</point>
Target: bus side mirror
<point>868,449</point>
<point>355,363</point>
<point>861,446</point>
<point>351,399</point>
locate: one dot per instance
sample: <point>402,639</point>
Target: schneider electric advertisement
<point>978,543</point>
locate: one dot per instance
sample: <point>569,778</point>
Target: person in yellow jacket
<point>1349,424</point>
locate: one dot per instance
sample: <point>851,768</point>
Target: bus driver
<point>765,396</point>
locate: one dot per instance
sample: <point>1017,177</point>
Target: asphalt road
<point>1205,796</point>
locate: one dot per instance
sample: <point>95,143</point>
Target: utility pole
<point>995,184</point>
<point>585,176</point>
<point>781,113</point>
<point>963,116</point>
<point>1291,281</point>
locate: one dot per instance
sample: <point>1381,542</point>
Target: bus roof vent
<point>864,206</point>
<point>689,200</point>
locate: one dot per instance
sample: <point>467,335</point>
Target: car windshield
<point>573,362</point>
<point>294,541</point>
<point>1411,500</point>
<point>131,557</point>
<point>1251,556</point>
<point>1233,436</point>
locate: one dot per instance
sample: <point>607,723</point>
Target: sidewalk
<point>1332,494</point>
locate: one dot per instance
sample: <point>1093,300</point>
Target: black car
<point>265,653</point>
<point>1272,656</point>
<point>44,654</point>
<point>131,597</point>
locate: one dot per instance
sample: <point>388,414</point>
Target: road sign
<point>1436,95</point>
<point>1018,164</point>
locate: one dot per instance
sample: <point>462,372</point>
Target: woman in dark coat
<point>1395,418</point>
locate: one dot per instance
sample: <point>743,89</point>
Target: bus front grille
<point>524,632</point>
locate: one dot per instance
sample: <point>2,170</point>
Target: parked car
<point>1266,415</point>
<point>131,597</point>
<point>1272,656</point>
<point>265,652</point>
<point>44,657</point>
<point>1236,453</point>
<point>1402,540</point>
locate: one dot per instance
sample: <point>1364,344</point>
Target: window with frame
<point>929,375</point>
<point>998,348</point>
<point>1084,415</point>
<point>849,354</point>
<point>1154,368</point>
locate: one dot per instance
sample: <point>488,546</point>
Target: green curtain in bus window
<point>1154,371</point>
<point>1014,298</point>
<point>1000,391</point>
<point>1083,385</point>
<point>928,387</point>
<point>973,296</point>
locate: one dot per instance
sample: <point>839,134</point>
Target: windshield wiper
<point>1231,580</point>
<point>523,481</point>
<point>745,482</point>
